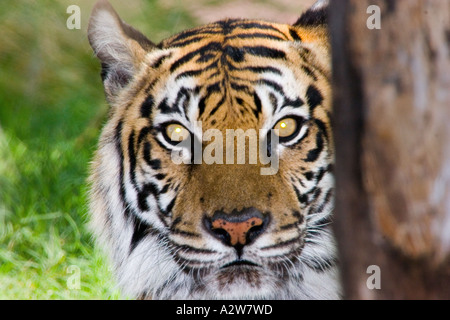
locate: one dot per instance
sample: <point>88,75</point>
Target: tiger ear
<point>119,47</point>
<point>313,27</point>
<point>316,16</point>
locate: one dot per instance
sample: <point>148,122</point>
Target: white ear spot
<point>320,4</point>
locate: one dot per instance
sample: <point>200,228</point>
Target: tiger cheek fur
<point>199,230</point>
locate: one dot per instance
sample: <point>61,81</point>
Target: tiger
<point>202,230</point>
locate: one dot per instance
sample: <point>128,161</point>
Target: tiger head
<point>186,211</point>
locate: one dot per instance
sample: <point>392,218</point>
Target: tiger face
<point>187,212</point>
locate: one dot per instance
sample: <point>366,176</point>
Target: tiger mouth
<point>239,262</point>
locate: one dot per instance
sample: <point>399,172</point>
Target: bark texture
<point>392,136</point>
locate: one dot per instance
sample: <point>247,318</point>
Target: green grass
<point>51,111</point>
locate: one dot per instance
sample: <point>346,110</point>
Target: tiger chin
<point>216,228</point>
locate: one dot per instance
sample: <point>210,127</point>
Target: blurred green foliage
<point>51,111</point>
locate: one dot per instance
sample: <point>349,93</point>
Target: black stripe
<point>236,54</point>
<point>317,193</point>
<point>275,86</point>
<point>239,87</point>
<point>206,57</point>
<point>311,191</point>
<point>320,175</point>
<point>185,233</point>
<point>150,86</point>
<point>257,102</point>
<point>186,248</point>
<point>313,97</point>
<point>147,107</point>
<point>164,107</point>
<point>289,226</point>
<point>264,70</point>
<point>215,87</point>
<point>160,176</point>
<point>242,24</point>
<point>309,72</point>
<point>201,107</point>
<point>297,103</point>
<point>146,151</point>
<point>257,69</point>
<point>299,216</point>
<point>302,198</point>
<point>256,35</point>
<point>175,221</point>
<point>309,175</point>
<point>165,188</point>
<point>132,158</point>
<point>220,103</point>
<point>294,35</point>
<point>322,172</point>
<point>262,51</point>
<point>155,164</point>
<point>273,100</point>
<point>193,32</point>
<point>149,188</point>
<point>183,93</point>
<point>192,73</point>
<point>160,60</point>
<point>240,101</point>
<point>118,143</point>
<point>185,42</point>
<point>300,220</point>
<point>226,25</point>
<point>212,46</point>
<point>321,125</point>
<point>326,200</point>
<point>140,231</point>
<point>143,134</point>
<point>168,210</point>
<point>322,223</point>
<point>314,153</point>
<point>189,265</point>
<point>297,179</point>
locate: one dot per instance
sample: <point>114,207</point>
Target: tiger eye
<point>286,127</point>
<point>176,132</point>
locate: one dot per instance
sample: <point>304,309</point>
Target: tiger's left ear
<point>313,24</point>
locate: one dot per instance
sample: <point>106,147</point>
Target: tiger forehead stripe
<point>237,54</point>
<point>224,46</point>
<point>224,27</point>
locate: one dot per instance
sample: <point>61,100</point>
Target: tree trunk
<point>392,138</point>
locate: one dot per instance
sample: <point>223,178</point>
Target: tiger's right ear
<point>120,48</point>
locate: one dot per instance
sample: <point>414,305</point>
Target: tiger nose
<point>237,228</point>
